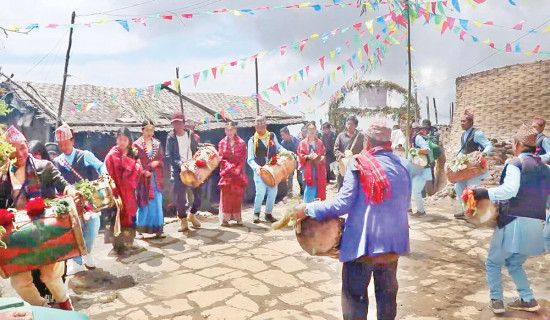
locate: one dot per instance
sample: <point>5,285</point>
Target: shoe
<point>460,216</point>
<point>521,305</point>
<point>66,305</point>
<point>73,267</point>
<point>257,217</point>
<point>497,306</point>
<point>184,225</point>
<point>159,235</point>
<point>270,218</point>
<point>88,261</point>
<point>224,224</point>
<point>417,214</point>
<point>239,222</point>
<point>193,219</point>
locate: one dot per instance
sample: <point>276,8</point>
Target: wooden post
<point>257,88</point>
<point>435,110</point>
<point>452,112</point>
<point>408,131</point>
<point>179,89</point>
<point>60,109</point>
<point>428,107</point>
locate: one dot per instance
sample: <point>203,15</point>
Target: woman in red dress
<point>311,153</point>
<point>233,180</point>
<point>125,169</point>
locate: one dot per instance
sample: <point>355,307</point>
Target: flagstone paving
<point>253,272</point>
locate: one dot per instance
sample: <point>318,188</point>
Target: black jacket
<point>172,152</point>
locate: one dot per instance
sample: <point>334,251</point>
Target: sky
<point>108,55</point>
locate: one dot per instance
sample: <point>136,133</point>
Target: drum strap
<point>354,141</point>
<point>68,165</point>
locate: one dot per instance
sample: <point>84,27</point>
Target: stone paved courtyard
<point>253,272</point>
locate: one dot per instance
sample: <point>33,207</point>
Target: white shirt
<point>184,144</point>
<point>398,138</point>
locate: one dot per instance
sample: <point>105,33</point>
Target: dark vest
<point>540,149</point>
<point>470,145</point>
<point>87,172</point>
<point>530,202</point>
<point>265,152</point>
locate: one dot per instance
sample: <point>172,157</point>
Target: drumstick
<point>289,215</point>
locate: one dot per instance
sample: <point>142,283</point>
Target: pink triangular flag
<point>275,88</point>
<point>322,61</point>
<point>283,50</point>
<point>303,44</point>
<point>349,62</point>
<point>518,26</point>
<point>462,33</point>
<point>196,78</point>
<point>451,22</point>
<point>508,47</point>
<point>537,49</point>
<point>214,70</point>
<point>307,70</point>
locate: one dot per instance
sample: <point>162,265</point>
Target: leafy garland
<point>59,206</point>
<point>87,188</point>
<point>337,114</point>
<point>2,233</point>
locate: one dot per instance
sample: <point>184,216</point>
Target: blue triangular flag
<point>124,24</point>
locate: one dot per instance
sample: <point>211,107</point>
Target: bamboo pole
<point>67,57</point>
<point>408,131</point>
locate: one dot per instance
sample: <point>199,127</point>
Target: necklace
<point>147,150</point>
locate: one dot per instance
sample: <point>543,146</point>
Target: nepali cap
<point>379,130</point>
<point>539,121</point>
<point>527,135</point>
<point>14,135</point>
<point>260,121</point>
<point>63,133</point>
<point>468,115</point>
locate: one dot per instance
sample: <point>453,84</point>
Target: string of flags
<point>216,71</point>
<point>143,20</point>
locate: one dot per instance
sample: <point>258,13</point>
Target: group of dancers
<point>375,193</point>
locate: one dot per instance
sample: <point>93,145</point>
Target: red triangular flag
<point>358,26</point>
<point>366,48</point>
<point>275,88</point>
<point>444,27</point>
<point>214,70</point>
<point>303,44</point>
<point>537,49</point>
<point>322,61</point>
<point>518,26</point>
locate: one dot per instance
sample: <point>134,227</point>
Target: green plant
<point>87,188</point>
<point>59,206</point>
<point>6,149</point>
<point>2,233</point>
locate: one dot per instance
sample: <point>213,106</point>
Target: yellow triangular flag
<point>360,55</point>
<point>369,6</point>
<point>370,26</point>
<point>486,41</point>
<point>333,76</point>
<point>177,83</point>
<point>332,54</point>
<point>547,29</point>
<point>306,4</point>
<point>294,77</point>
<point>313,36</point>
<point>477,23</point>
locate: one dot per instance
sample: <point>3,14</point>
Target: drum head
<point>320,238</point>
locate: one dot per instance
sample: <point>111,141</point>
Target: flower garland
<point>469,202</point>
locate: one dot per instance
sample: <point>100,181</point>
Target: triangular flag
<point>357,41</point>
<point>537,49</point>
<point>214,71</point>
<point>350,63</point>
<point>301,72</point>
<point>124,24</point>
<point>307,71</point>
<point>370,26</point>
<point>275,88</point>
<point>462,33</point>
<point>196,77</point>
<point>456,5</point>
<point>283,50</point>
<point>322,61</point>
<point>79,107</point>
<point>303,44</point>
<point>205,74</point>
<point>282,85</point>
<point>177,83</point>
<point>332,55</point>
<point>157,89</point>
<point>518,26</point>
<point>508,47</point>
<point>463,24</point>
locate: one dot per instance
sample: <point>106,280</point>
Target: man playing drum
<point>420,175</point>
<point>30,178</point>
<point>472,140</point>
<point>76,165</point>
<point>523,192</point>
<point>181,145</point>
<point>263,147</point>
<point>348,143</point>
<point>375,194</point>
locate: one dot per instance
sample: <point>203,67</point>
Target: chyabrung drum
<point>32,243</point>
<point>320,238</point>
<point>195,172</point>
<point>273,174</point>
